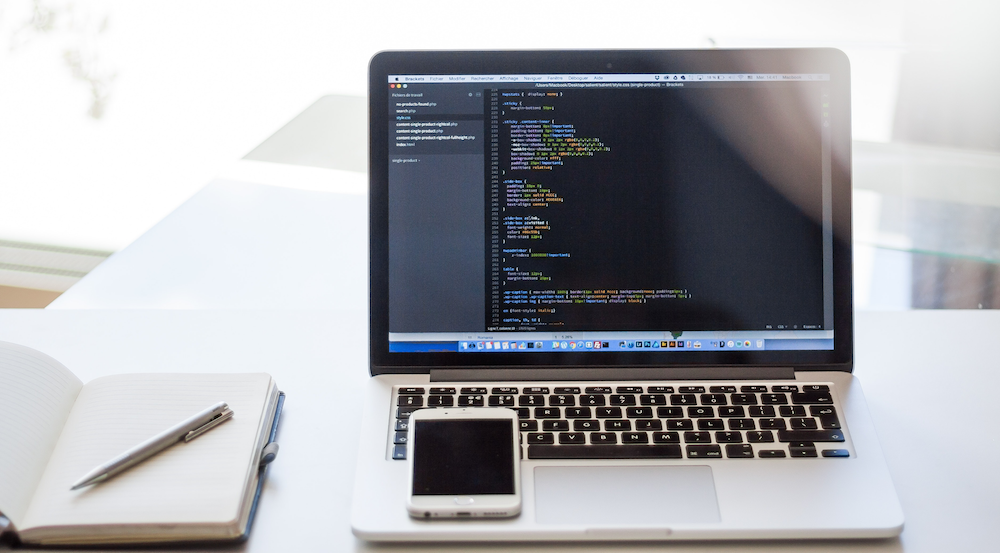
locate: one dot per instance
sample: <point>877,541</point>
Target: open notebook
<point>55,429</point>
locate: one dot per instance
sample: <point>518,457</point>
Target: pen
<point>186,430</point>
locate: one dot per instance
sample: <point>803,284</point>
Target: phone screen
<point>463,457</point>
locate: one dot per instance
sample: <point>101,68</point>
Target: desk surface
<point>950,491</point>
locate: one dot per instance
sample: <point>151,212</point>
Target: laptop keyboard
<point>631,421</point>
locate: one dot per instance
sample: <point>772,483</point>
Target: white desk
<point>950,493</point>
<point>237,253</point>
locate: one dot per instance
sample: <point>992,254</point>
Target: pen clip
<point>216,421</point>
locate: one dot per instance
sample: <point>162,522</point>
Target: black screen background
<point>463,457</point>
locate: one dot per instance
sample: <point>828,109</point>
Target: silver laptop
<point>647,254</point>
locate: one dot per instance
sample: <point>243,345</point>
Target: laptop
<point>646,254</point>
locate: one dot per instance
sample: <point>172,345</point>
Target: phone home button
<point>464,501</point>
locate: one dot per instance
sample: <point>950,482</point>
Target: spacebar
<point>603,451</point>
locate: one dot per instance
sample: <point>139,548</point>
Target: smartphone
<point>464,463</point>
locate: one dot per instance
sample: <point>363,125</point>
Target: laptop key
<point>722,389</point>
<point>555,426</point>
<point>691,389</point>
<point>578,413</point>
<point>816,388</point>
<point>403,412</point>
<point>531,400</point>
<point>655,399</point>
<point>772,424</point>
<point>741,424</point>
<point>683,399</point>
<point>536,390</point>
<point>603,438</point>
<point>591,400</point>
<point>400,438</point>
<point>666,438</point>
<point>704,452</point>
<point>762,411</point>
<point>502,390</point>
<point>739,451</point>
<point>547,413</point>
<point>792,411</point>
<point>619,399</point>
<point>753,389</point>
<point>744,399</point>
<point>528,426</point>
<point>605,451</point>
<point>587,426</point>
<point>617,425</point>
<point>609,412</point>
<point>713,399</point>
<point>651,424</point>
<point>628,390</point>
<point>598,389</point>
<point>410,401</point>
<point>803,424</point>
<point>440,401</point>
<point>562,400</point>
<point>411,391</point>
<point>680,424</point>
<point>399,452</point>
<point>773,399</point>
<point>474,391</point>
<point>760,436</point>
<point>471,401</point>
<point>697,438</point>
<point>402,425</point>
<point>670,412</point>
<point>501,401</point>
<point>732,411</point>
<point>571,438</point>
<point>711,424</point>
<point>566,390</point>
<point>442,391</point>
<point>812,397</point>
<point>836,453</point>
<point>728,437</point>
<point>635,438</point>
<point>810,436</point>
<point>660,390</point>
<point>829,422</point>
<point>771,454</point>
<point>701,412</point>
<point>639,412</point>
<point>523,412</point>
<point>784,388</point>
<point>540,438</point>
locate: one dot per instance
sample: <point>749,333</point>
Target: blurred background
<point>113,113</point>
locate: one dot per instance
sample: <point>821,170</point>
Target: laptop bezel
<point>819,60</point>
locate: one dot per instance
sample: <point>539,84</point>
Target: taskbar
<point>564,346</point>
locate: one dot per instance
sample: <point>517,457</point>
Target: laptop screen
<point>603,213</point>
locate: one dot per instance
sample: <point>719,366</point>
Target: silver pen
<point>186,430</point>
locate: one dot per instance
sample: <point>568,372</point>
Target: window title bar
<point>611,78</point>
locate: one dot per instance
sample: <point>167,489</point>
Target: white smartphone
<point>464,463</point>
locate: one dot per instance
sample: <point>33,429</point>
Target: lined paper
<point>36,395</point>
<point>202,482</point>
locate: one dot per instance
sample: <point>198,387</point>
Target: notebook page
<point>203,481</point>
<point>36,395</point>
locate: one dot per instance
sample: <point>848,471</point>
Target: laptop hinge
<point>624,373</point>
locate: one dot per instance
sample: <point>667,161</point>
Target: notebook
<point>56,429</point>
<point>647,254</point>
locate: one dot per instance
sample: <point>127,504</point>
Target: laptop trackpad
<point>625,496</point>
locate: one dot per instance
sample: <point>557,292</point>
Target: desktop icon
<point>538,345</point>
<point>505,345</point>
<point>760,343</point>
<point>730,343</point>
